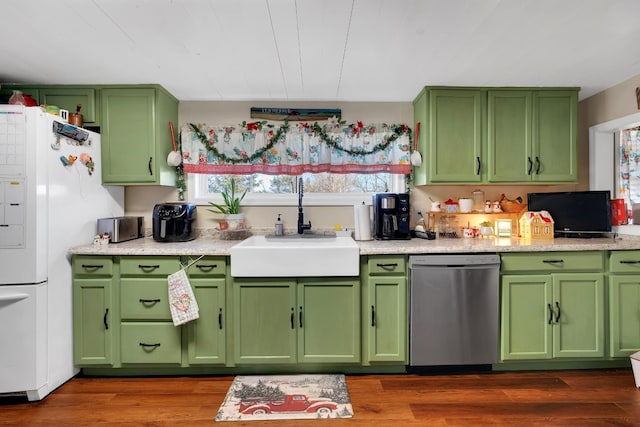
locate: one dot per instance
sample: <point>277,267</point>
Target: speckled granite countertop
<point>209,245</point>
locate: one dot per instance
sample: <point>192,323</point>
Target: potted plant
<point>233,219</point>
<point>485,228</point>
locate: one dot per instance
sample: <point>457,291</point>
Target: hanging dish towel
<point>182,302</point>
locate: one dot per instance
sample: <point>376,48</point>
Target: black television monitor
<point>575,213</point>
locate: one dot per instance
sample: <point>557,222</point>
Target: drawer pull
<point>148,267</point>
<point>389,266</point>
<point>220,319</point>
<point>152,346</point>
<point>550,320</point>
<point>92,266</point>
<point>553,261</point>
<point>629,262</point>
<point>149,301</point>
<point>530,165</point>
<point>104,319</point>
<point>537,165</point>
<point>478,165</point>
<point>150,163</point>
<point>558,313</point>
<point>206,267</point>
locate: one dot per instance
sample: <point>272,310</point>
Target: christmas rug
<point>286,397</point>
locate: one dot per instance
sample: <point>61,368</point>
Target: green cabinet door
<point>454,147</point>
<point>578,323</point>
<point>384,319</point>
<point>68,97</point>
<point>555,127</point>
<point>264,321</point>
<point>624,314</point>
<point>328,321</point>
<point>206,335</point>
<point>94,321</point>
<point>526,317</point>
<point>135,136</point>
<point>552,316</point>
<point>509,148</point>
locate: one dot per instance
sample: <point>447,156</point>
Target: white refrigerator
<point>50,198</point>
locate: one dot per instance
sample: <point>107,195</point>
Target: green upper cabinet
<point>492,135</point>
<point>64,96</point>
<point>509,135</point>
<point>135,135</point>
<point>69,97</point>
<point>531,135</point>
<point>451,122</point>
<point>555,128</point>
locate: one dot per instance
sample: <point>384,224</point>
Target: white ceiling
<point>320,50</point>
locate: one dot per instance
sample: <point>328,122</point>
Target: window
<point>281,190</point>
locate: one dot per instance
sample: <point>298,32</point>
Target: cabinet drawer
<point>208,266</point>
<point>553,261</point>
<point>144,342</point>
<point>92,266</point>
<point>624,262</point>
<point>387,265</point>
<point>149,266</point>
<point>146,299</point>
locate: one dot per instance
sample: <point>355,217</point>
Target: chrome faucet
<point>302,227</point>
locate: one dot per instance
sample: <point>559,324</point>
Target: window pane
<point>346,183</point>
<point>314,183</point>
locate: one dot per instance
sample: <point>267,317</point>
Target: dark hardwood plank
<point>549,398</point>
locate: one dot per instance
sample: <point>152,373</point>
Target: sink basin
<point>295,256</point>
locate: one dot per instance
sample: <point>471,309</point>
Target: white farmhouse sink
<point>295,256</point>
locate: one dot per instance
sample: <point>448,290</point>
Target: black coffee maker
<point>391,216</point>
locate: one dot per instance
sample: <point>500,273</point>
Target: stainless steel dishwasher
<point>453,309</point>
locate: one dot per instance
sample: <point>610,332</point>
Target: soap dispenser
<point>279,226</point>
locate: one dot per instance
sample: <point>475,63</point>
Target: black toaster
<point>173,222</point>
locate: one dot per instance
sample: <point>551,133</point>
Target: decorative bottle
<point>17,98</point>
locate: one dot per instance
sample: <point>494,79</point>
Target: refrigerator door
<point>23,199</point>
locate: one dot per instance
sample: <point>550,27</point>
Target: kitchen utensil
<point>416,158</point>
<point>174,158</point>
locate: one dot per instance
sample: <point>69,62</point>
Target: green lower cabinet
<point>384,319</point>
<point>93,321</point>
<point>279,321</point>
<point>548,316</point>
<point>328,321</point>
<point>150,343</point>
<point>206,335</point>
<point>95,311</point>
<point>264,321</point>
<point>624,318</point>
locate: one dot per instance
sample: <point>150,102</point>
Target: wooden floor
<point>550,398</point>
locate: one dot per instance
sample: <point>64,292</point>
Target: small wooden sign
<point>638,97</point>
<point>295,114</point>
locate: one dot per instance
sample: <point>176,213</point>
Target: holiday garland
<point>277,133</point>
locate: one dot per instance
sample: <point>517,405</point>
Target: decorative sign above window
<point>295,114</point>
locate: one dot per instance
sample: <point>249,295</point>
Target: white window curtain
<point>292,149</point>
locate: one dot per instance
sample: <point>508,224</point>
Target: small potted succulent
<point>233,219</point>
<point>485,229</point>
